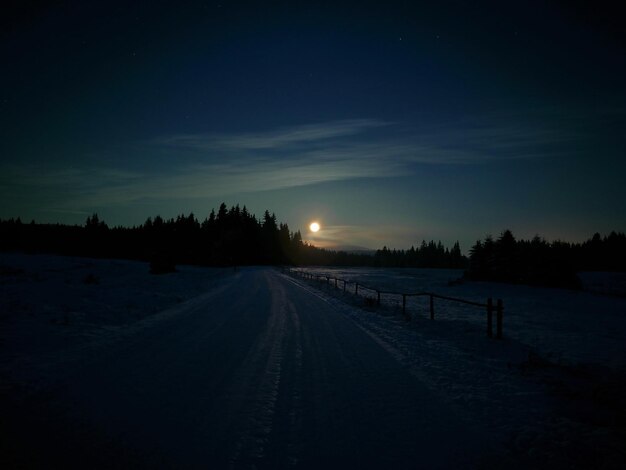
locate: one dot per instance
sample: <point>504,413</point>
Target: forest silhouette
<point>233,237</point>
<point>228,237</point>
<point>537,262</point>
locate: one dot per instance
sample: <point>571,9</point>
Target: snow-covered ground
<point>50,305</point>
<point>565,326</point>
<point>100,357</point>
<point>604,282</point>
<point>554,388</point>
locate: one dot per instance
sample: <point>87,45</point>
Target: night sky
<point>387,122</point>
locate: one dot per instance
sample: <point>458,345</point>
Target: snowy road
<point>261,372</point>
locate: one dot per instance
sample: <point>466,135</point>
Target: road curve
<point>260,373</point>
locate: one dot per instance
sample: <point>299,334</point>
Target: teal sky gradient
<point>388,123</point>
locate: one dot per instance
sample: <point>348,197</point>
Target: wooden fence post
<point>489,318</point>
<point>378,297</point>
<point>404,304</point>
<point>344,286</point>
<point>499,310</point>
<point>432,307</point>
<point>335,283</point>
<point>356,288</point>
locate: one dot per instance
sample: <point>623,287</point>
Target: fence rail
<point>491,308</point>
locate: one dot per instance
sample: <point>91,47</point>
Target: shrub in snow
<point>91,279</point>
<point>162,264</point>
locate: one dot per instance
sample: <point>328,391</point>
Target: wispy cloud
<point>363,139</point>
<point>218,165</point>
<point>290,137</point>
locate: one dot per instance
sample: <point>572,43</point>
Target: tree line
<point>538,262</point>
<point>427,255</point>
<point>224,238</point>
<point>227,237</point>
<point>235,236</point>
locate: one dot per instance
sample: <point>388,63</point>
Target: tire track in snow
<point>260,380</point>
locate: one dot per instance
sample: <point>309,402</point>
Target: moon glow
<point>314,227</point>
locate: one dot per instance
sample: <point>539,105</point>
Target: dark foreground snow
<point>253,369</point>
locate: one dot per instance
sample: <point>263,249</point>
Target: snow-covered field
<point>554,388</point>
<point>52,306</point>
<point>567,327</point>
<point>265,370</point>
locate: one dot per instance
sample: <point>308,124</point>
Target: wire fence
<point>375,296</point>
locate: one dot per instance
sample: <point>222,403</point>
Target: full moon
<point>314,227</point>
